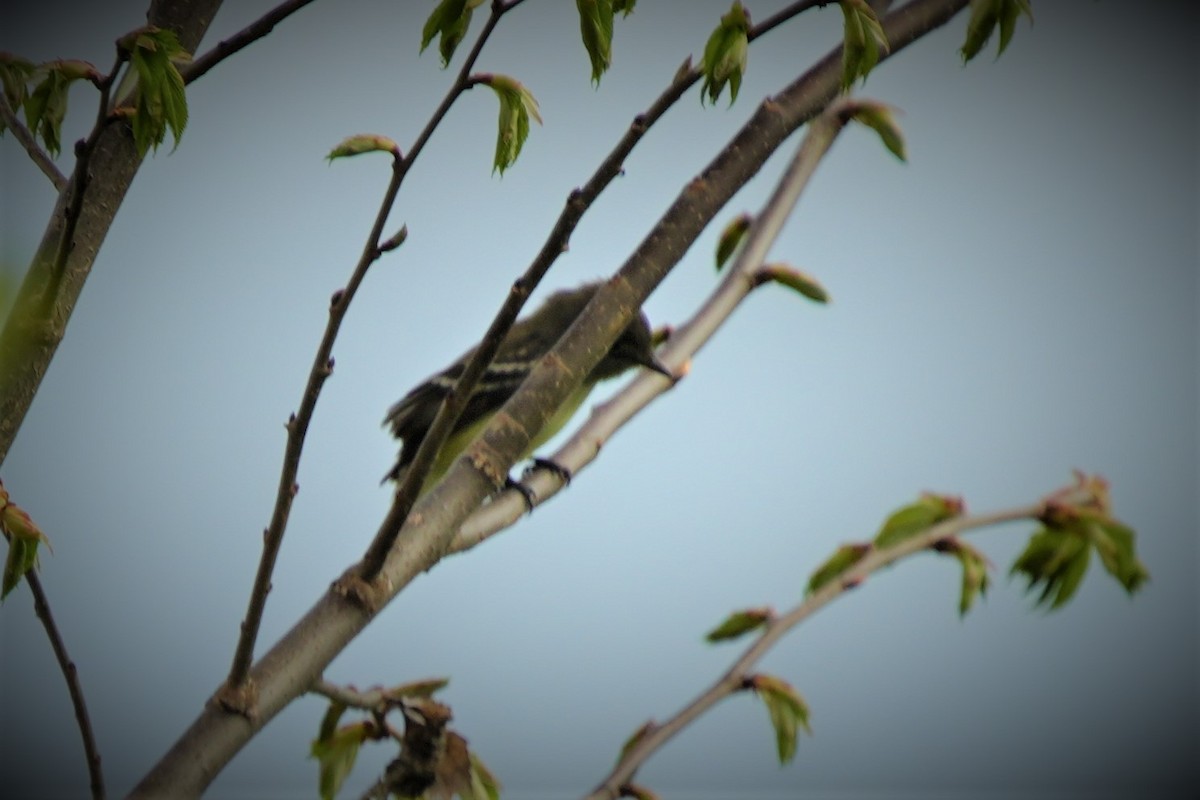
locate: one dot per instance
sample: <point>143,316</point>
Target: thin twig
<point>251,33</point>
<point>78,187</point>
<point>36,154</point>
<point>734,679</point>
<point>232,695</point>
<point>578,202</point>
<point>41,605</point>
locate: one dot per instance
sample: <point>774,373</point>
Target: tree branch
<point>735,678</point>
<point>36,154</point>
<point>247,35</point>
<point>291,666</point>
<point>41,605</point>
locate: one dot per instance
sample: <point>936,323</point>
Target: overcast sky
<point>1018,300</point>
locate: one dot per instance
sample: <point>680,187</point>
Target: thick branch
<point>31,334</point>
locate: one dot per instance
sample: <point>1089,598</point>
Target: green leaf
<point>795,279</point>
<point>975,568</point>
<point>843,559</point>
<point>906,522</point>
<point>484,785</point>
<point>596,26</point>
<point>862,40</point>
<point>449,21</point>
<point>986,15</point>
<point>624,7</point>
<point>1056,559</point>
<point>517,105</point>
<point>879,118</point>
<point>329,722</point>
<point>725,54</point>
<point>336,755</point>
<point>787,710</point>
<point>46,107</point>
<point>161,102</point>
<point>731,237</point>
<point>739,623</point>
<point>1114,543</point>
<point>364,143</point>
<point>15,73</point>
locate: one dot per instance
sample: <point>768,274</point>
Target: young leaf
<point>843,559</point>
<point>449,21</point>
<point>23,539</point>
<point>161,101</point>
<point>739,623</point>
<point>425,688</point>
<point>975,568</point>
<point>624,7</point>
<point>986,15</point>
<point>1114,544</point>
<point>725,54</point>
<point>517,105</point>
<point>1056,558</point>
<point>15,73</point>
<point>929,510</point>
<point>46,106</point>
<point>879,118</point>
<point>787,710</point>
<point>862,40</point>
<point>596,26</point>
<point>336,755</point>
<point>484,785</point>
<point>731,237</point>
<point>795,279</point>
<point>364,143</point>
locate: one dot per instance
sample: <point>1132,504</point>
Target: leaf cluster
<point>41,92</point>
<point>454,769</point>
<point>160,102</point>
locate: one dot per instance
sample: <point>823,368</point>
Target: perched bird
<point>529,339</point>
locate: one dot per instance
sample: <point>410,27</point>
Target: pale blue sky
<point>1020,299</point>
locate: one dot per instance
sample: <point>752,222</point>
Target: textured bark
<point>35,327</point>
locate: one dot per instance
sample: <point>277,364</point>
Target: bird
<point>529,339</point>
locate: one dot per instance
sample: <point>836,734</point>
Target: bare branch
<point>39,156</point>
<point>41,605</point>
<point>251,33</point>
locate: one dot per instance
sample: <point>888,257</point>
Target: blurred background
<point>1017,300</point>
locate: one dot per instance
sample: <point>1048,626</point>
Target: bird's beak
<point>652,362</point>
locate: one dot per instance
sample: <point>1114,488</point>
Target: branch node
<point>241,699</point>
